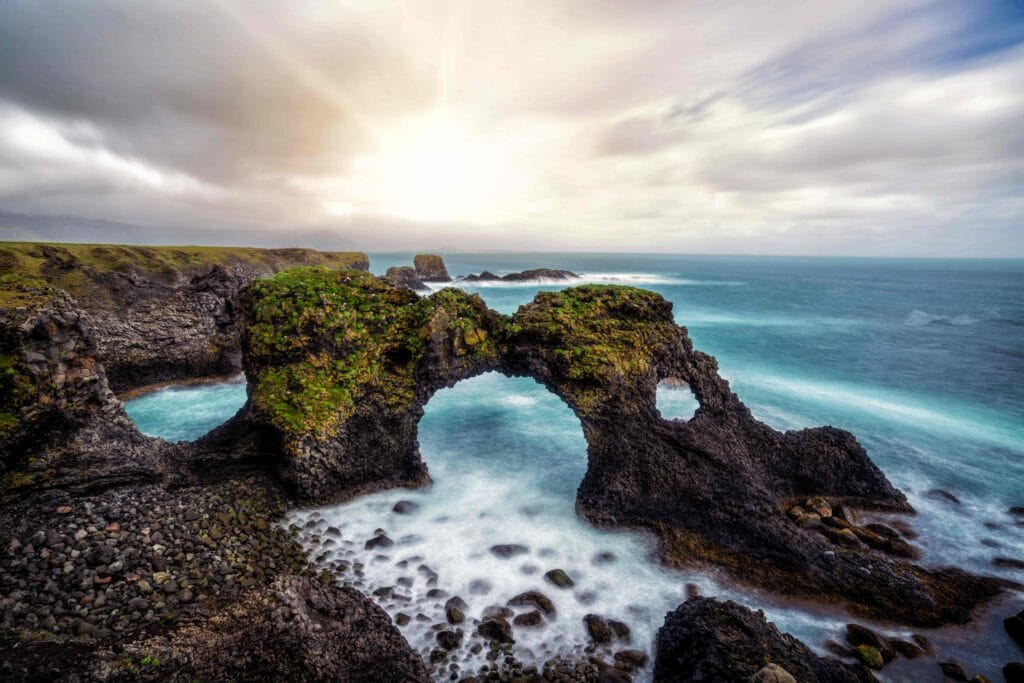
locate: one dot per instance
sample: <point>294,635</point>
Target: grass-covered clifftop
<point>78,269</point>
<point>318,341</point>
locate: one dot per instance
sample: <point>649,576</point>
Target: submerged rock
<point>705,639</point>
<point>507,550</point>
<point>559,578</point>
<point>534,599</point>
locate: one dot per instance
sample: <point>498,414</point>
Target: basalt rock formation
<point>705,639</point>
<point>160,313</point>
<point>430,268</point>
<point>340,365</point>
<point>58,417</point>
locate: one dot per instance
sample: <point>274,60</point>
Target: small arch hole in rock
<point>675,399</point>
<point>185,412</point>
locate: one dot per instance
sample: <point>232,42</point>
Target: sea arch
<point>341,365</point>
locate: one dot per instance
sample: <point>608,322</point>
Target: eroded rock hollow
<point>341,363</point>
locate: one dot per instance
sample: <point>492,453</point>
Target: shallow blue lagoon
<point>185,413</point>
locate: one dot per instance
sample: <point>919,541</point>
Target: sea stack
<point>430,268</point>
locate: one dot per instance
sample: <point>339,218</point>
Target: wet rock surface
<point>120,551</point>
<point>705,639</point>
<point>714,488</point>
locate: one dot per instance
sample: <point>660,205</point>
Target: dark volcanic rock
<point>484,276</point>
<point>496,629</point>
<point>295,629</point>
<point>404,276</point>
<point>164,313</point>
<point>1015,627</point>
<point>559,578</point>
<point>430,268</point>
<point>507,550</point>
<point>713,488</point>
<point>60,424</point>
<point>541,274</point>
<point>708,640</point>
<point>524,276</point>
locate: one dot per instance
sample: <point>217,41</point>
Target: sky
<point>890,128</point>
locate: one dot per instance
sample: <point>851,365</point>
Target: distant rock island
<point>431,268</point>
<point>524,276</point>
<point>125,557</point>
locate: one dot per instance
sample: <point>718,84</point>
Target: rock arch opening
<point>186,412</point>
<point>675,399</point>
<point>498,425</point>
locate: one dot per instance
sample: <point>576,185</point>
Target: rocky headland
<point>161,314</point>
<point>125,557</point>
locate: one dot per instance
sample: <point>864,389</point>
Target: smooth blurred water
<point>922,359</point>
<point>184,413</point>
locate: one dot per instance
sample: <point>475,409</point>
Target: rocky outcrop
<point>404,276</point>
<point>430,268</point>
<point>705,639</point>
<point>60,423</point>
<point>341,364</point>
<point>296,629</point>
<point>161,313</point>
<point>532,275</point>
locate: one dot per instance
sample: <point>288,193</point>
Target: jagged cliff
<point>160,313</point>
<point>340,365</point>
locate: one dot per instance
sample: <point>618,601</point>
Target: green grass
<point>320,341</point>
<point>72,267</point>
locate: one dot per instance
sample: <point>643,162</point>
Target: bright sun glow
<point>436,168</point>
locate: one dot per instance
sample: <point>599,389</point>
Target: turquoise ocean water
<point>922,359</point>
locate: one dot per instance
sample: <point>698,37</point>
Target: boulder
<point>559,578</point>
<point>1015,627</point>
<point>705,639</point>
<point>772,673</point>
<point>404,276</point>
<point>496,629</point>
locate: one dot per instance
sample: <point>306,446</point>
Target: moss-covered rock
<point>341,360</point>
<point>161,313</point>
<point>341,364</point>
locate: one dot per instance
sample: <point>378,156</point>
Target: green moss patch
<point>319,341</point>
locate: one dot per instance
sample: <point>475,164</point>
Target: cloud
<point>875,127</point>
